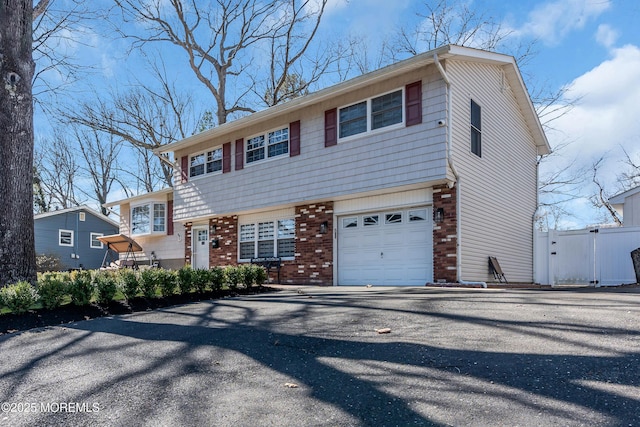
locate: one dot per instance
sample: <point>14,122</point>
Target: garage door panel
<point>394,251</point>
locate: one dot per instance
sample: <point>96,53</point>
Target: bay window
<point>150,218</point>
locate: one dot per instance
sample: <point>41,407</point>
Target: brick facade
<point>445,239</point>
<point>187,243</point>
<point>313,262</point>
<point>314,249</point>
<point>225,230</point>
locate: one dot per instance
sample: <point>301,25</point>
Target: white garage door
<point>386,248</point>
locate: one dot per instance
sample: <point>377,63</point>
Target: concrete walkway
<point>312,357</point>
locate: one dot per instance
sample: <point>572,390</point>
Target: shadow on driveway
<point>453,357</point>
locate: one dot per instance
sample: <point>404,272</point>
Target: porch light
<point>324,227</point>
<point>439,216</point>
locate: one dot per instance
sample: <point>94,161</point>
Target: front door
<point>200,247</point>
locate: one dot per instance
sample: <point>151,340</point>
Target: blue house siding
<point>80,254</point>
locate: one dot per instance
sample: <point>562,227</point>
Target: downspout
<point>455,174</point>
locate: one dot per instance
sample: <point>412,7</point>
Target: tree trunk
<point>17,249</point>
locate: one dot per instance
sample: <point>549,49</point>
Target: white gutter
<point>455,174</point>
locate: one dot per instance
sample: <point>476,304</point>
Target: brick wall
<point>313,262</point>
<point>314,250</point>
<point>187,243</point>
<point>225,229</point>
<point>445,239</point>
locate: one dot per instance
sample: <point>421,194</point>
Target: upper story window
<point>150,218</point>
<point>476,129</point>
<point>204,163</point>
<point>372,114</point>
<point>269,145</point>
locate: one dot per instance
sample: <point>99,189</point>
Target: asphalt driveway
<point>312,357</point>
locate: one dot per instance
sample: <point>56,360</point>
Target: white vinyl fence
<point>596,257</point>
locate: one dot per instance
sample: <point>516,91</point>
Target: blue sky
<point>590,46</point>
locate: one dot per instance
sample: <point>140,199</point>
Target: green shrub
<point>106,284</point>
<point>81,287</point>
<point>247,275</point>
<point>185,279</point>
<point>261,275</point>
<point>128,283</point>
<point>19,297</point>
<point>167,282</point>
<point>52,290</point>
<point>149,282</point>
<point>217,278</point>
<point>233,276</point>
<point>201,279</point>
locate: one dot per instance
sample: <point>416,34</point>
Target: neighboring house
<point>628,205</point>
<point>414,173</point>
<point>72,235</point>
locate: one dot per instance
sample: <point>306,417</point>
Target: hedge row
<point>82,287</point>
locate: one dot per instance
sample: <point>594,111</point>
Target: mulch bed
<point>11,323</point>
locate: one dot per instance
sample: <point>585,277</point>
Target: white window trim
<point>370,131</point>
<point>91,237</point>
<point>205,152</point>
<point>60,231</point>
<point>151,212</point>
<point>266,146</point>
<point>256,236</point>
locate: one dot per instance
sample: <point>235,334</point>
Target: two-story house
<point>413,173</point>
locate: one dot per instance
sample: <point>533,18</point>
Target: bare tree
<point>450,23</point>
<point>58,171</point>
<point>17,248</point>
<point>600,199</point>
<point>145,117</point>
<point>224,41</point>
<point>58,28</point>
<point>100,153</point>
<point>631,177</point>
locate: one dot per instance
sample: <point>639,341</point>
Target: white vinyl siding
<point>498,190</point>
<point>366,164</point>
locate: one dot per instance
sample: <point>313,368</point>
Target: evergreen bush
<point>106,285</point>
<point>217,278</point>
<point>149,282</point>
<point>166,282</point>
<point>128,283</point>
<point>201,279</point>
<point>18,297</point>
<point>185,279</point>
<point>51,289</point>
<point>81,288</point>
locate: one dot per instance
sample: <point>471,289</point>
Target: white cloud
<point>606,36</point>
<point>604,122</point>
<point>552,21</point>
<point>607,110</point>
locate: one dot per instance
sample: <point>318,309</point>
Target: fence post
<point>551,252</point>
<point>635,257</point>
